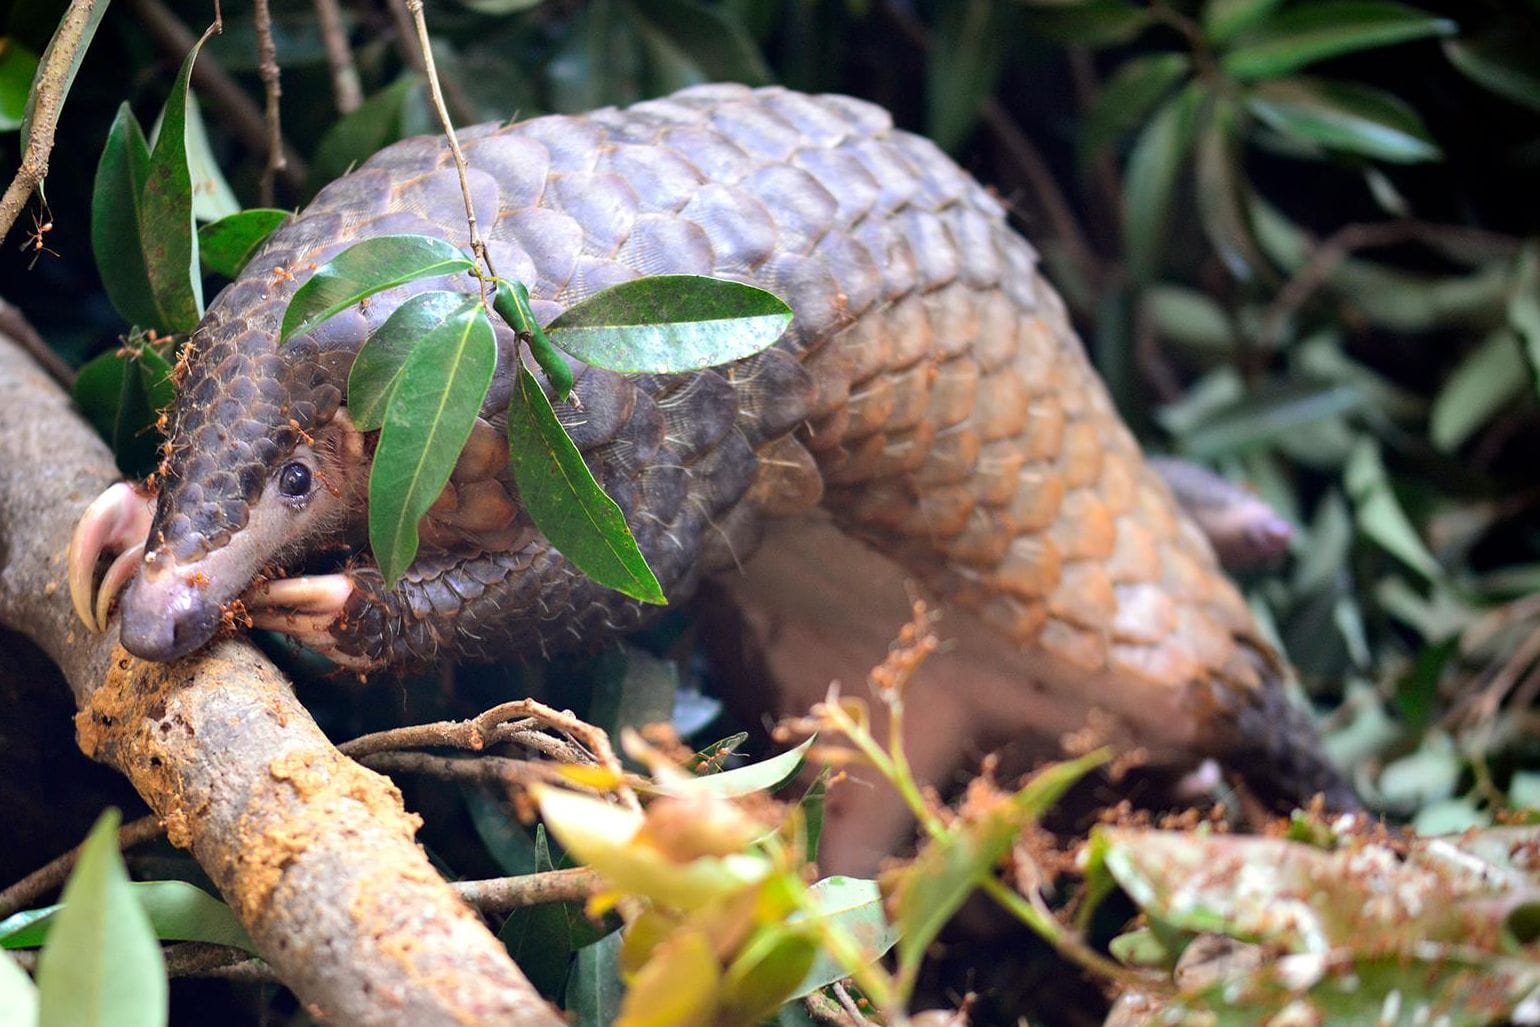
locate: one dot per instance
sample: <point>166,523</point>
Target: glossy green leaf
<point>18,995</point>
<point>17,67</point>
<point>710,759</point>
<point>1222,191</point>
<point>121,392</point>
<point>102,966</point>
<point>383,356</point>
<point>365,268</point>
<point>1305,33</point>
<point>169,234</point>
<point>227,244</point>
<point>964,64</point>
<point>374,125</point>
<point>1343,116</point>
<point>1502,61</point>
<point>670,323</point>
<point>855,906</point>
<point>1150,181</point>
<point>764,776</point>
<point>1490,378</point>
<point>116,219</point>
<point>178,911</point>
<point>93,18</point>
<point>567,505</point>
<point>1092,23</point>
<point>1379,512</point>
<point>1127,99</point>
<point>594,991</point>
<point>1223,20</point>
<point>511,301</point>
<point>212,197</point>
<point>428,418</point>
<point>814,807</point>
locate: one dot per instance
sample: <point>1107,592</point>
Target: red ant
<point>34,240</point>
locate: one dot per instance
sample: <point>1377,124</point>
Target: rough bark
<point>313,852</point>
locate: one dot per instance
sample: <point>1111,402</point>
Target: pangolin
<point>930,397</point>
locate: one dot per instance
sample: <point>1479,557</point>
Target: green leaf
<point>17,67</point>
<point>1127,99</point>
<point>566,503</point>
<point>102,965</point>
<point>764,776</point>
<point>1487,380</point>
<point>364,269</point>
<point>511,301</point>
<point>539,938</point>
<point>1150,181</point>
<point>1189,318</point>
<point>358,136</point>
<point>766,973</point>
<point>1503,62</point>
<point>382,358</point>
<point>1523,306</point>
<point>1223,20</point>
<point>709,37</point>
<point>1268,417</point>
<point>1222,192</point>
<point>169,235</point>
<point>812,804</point>
<point>93,18</point>
<point>1092,23</point>
<point>1305,33</point>
<point>670,323</point>
<point>121,392</point>
<point>427,420</point>
<point>854,906</point>
<point>212,197</point>
<point>1342,116</point>
<point>178,911</point>
<point>964,64</point>
<point>226,245</point>
<point>709,760</point>
<point>594,990</point>
<point>500,7</point>
<point>116,221</point>
<point>1379,512</point>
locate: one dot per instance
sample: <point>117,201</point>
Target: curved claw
<point>117,521</point>
<point>304,608</point>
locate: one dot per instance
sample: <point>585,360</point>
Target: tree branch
<point>315,854</point>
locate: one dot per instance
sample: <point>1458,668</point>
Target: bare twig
<point>222,92</point>
<point>272,89</point>
<point>484,769</point>
<point>52,874</point>
<point>505,894</point>
<point>48,94</point>
<point>512,722</point>
<point>339,57</point>
<point>826,1012</point>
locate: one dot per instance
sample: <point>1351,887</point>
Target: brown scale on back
<point>931,395</point>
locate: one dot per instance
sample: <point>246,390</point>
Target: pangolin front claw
<point>304,608</point>
<point>117,521</point>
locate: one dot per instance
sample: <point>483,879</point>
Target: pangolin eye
<point>294,480</point>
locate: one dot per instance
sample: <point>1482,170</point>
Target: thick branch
<point>313,852</point>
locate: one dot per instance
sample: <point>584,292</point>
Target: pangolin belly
<point>930,395</point>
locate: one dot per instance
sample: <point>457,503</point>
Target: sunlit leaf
<point>1225,19</point>
<point>365,268</point>
<point>855,906</point>
<point>594,990</point>
<point>1150,181</point>
<point>429,417</point>
<point>1344,116</point>
<point>567,505</point>
<point>669,323</point>
<point>102,966</point>
<point>17,66</point>
<point>1487,380</point>
<point>226,245</point>
<point>1302,34</point>
<point>1502,62</point>
<point>116,221</point>
<point>1128,97</point>
<point>169,234</point>
<point>383,356</point>
<point>764,776</point>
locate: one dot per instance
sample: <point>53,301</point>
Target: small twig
<point>482,769</point>
<point>506,894</point>
<point>478,247</point>
<point>14,324</point>
<point>52,874</point>
<point>848,1004</point>
<point>223,93</point>
<point>828,1013</point>
<point>47,101</point>
<point>272,89</point>
<point>346,89</point>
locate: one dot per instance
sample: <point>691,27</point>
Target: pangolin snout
<point>166,617</point>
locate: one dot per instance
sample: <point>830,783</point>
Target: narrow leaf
<point>594,990</point>
<point>115,221</point>
<point>854,906</point>
<point>226,245</point>
<point>1221,192</point>
<point>1305,33</point>
<point>670,323</point>
<point>1379,512</point>
<point>1486,381</point>
<point>1342,116</point>
<point>764,776</point>
<point>1150,182</point>
<point>1127,99</point>
<point>102,966</point>
<point>1503,62</point>
<point>178,911</point>
<point>1223,20</point>
<point>383,356</point>
<point>212,197</point>
<point>566,503</point>
<point>364,269</point>
<point>1524,304</point>
<point>428,419</point>
<point>1092,23</point>
<point>169,235</point>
